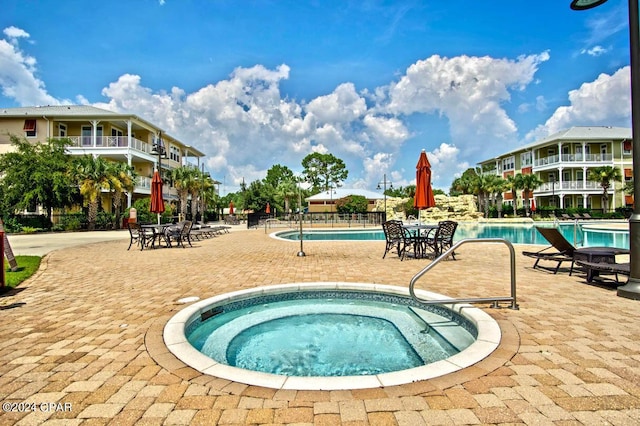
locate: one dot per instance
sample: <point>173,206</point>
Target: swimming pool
<point>329,336</point>
<point>514,233</point>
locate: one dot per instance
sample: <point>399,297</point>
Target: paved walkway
<point>81,341</point>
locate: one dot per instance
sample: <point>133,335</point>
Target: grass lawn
<point>27,266</point>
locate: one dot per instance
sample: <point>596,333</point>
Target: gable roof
<point>344,192</point>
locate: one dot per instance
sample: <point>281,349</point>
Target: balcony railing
<point>573,158</point>
<point>568,185</point>
<point>143,182</point>
<point>109,142</point>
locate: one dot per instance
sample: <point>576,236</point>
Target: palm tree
<point>605,175</point>
<point>286,190</point>
<point>529,183</point>
<point>92,176</point>
<point>183,180</point>
<point>121,179</point>
<point>514,183</point>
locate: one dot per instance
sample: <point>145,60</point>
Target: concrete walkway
<point>81,341</point>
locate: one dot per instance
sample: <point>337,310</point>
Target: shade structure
<point>157,202</point>
<point>424,193</point>
<point>268,209</point>
<point>231,207</point>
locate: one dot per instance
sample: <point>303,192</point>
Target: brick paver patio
<point>81,342</point>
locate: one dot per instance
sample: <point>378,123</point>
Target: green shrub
<point>30,230</point>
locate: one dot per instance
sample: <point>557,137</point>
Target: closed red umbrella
<point>231,207</point>
<point>157,203</point>
<point>424,193</point>
<point>268,209</point>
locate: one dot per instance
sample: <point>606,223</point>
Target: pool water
<point>331,336</point>
<point>516,234</point>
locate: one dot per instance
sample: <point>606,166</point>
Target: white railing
<point>143,182</point>
<point>109,142</point>
<point>573,158</point>
<point>568,185</point>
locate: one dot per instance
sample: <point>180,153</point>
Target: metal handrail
<point>444,255</point>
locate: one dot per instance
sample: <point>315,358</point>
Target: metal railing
<point>446,254</point>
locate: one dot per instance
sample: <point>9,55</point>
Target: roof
<point>59,110</point>
<point>577,134</point>
<point>84,112</point>
<point>344,192</point>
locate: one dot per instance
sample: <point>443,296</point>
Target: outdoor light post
<point>632,289</point>
<point>301,252</point>
<point>158,148</point>
<point>384,192</point>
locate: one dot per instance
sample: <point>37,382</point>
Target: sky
<point>258,83</point>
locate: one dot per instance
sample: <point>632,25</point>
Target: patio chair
<point>140,236</point>
<point>393,235</point>
<point>564,250</point>
<point>442,239</point>
<point>179,233</point>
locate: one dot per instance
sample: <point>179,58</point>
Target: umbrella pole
<point>158,218</point>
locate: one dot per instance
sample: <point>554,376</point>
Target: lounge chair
<point>606,267</point>
<point>564,250</point>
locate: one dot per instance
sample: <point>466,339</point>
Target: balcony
<point>109,142</point>
<point>574,159</point>
<point>569,185</point>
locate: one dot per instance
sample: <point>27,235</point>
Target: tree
<point>514,183</point>
<point>529,183</point>
<point>121,179</point>
<point>278,174</point>
<point>321,170</point>
<point>37,174</point>
<point>287,190</point>
<point>184,179</point>
<point>352,204</point>
<point>604,175</point>
<point>92,175</point>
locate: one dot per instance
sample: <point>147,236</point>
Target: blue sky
<point>258,83</point>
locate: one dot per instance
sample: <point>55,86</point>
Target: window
<point>87,135</point>
<point>509,163</point>
<point>118,137</point>
<point>29,128</point>
<point>525,159</point>
<point>626,146</point>
<point>175,154</point>
<point>62,130</point>
<point>628,174</point>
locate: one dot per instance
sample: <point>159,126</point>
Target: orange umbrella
<point>157,203</point>
<point>268,209</point>
<point>231,207</point>
<point>424,193</point>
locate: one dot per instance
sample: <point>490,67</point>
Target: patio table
<point>421,233</point>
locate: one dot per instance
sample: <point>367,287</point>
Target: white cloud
<point>594,51</point>
<point>18,73</point>
<point>14,33</point>
<point>445,162</point>
<point>468,91</point>
<point>603,102</point>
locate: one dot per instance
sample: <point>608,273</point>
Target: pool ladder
<point>495,300</point>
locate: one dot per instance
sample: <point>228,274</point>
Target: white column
<point>129,136</point>
<point>94,132</point>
